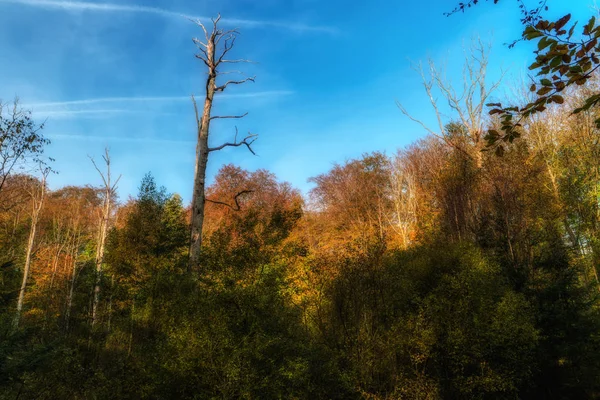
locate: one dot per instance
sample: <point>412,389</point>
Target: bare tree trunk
<point>199,199</point>
<point>74,254</point>
<point>212,58</point>
<point>71,290</point>
<point>37,198</point>
<point>55,267</point>
<point>50,293</point>
<point>404,199</point>
<point>109,190</point>
<point>130,344</point>
<point>548,152</point>
<point>100,254</point>
<point>109,308</point>
<point>30,242</point>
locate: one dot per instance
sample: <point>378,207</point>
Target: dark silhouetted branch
<point>235,199</point>
<point>247,141</point>
<point>224,86</point>
<point>228,116</point>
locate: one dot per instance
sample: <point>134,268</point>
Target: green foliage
<point>245,341</point>
<point>492,305</point>
<point>152,242</point>
<point>21,140</point>
<point>436,321</point>
<point>562,60</point>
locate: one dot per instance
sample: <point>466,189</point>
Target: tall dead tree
<point>109,193</point>
<point>213,53</point>
<point>37,192</point>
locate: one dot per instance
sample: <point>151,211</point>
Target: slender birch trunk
<point>109,190</point>
<point>37,201</point>
<point>74,252</point>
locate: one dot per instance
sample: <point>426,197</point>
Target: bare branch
<point>405,112</point>
<point>235,198</point>
<point>98,169</point>
<point>201,25</point>
<point>467,104</point>
<point>428,89</point>
<point>216,21</point>
<point>106,178</point>
<point>204,59</point>
<point>202,47</point>
<point>224,86</point>
<point>229,43</point>
<point>247,141</point>
<point>227,34</point>
<point>442,137</point>
<point>114,187</point>
<point>199,43</point>
<point>228,116</point>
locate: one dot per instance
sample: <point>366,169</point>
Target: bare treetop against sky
<point>120,75</point>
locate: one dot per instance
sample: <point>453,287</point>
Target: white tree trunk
<point>100,255</point>
<point>109,190</point>
<point>74,253</point>
<point>37,202</point>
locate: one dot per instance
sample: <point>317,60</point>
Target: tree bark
<point>213,59</point>
<point>198,198</point>
<point>74,251</point>
<point>100,254</point>
<point>37,203</point>
<point>109,190</point>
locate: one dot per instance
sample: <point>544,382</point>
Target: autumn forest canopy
<point>464,265</point>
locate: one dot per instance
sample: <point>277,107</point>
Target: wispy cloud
<point>114,139</point>
<point>127,8</point>
<point>104,113</point>
<point>147,99</point>
<point>105,100</point>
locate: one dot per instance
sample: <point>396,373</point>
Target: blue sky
<point>329,72</point>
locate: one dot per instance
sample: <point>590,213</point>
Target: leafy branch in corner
<point>561,61</point>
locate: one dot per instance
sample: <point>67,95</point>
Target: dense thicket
<point>428,274</point>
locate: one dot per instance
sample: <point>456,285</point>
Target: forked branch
<point>208,48</point>
<point>247,141</point>
<point>106,179</point>
<point>235,199</point>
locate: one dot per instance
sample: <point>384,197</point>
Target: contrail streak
<point>126,8</point>
<point>142,99</point>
